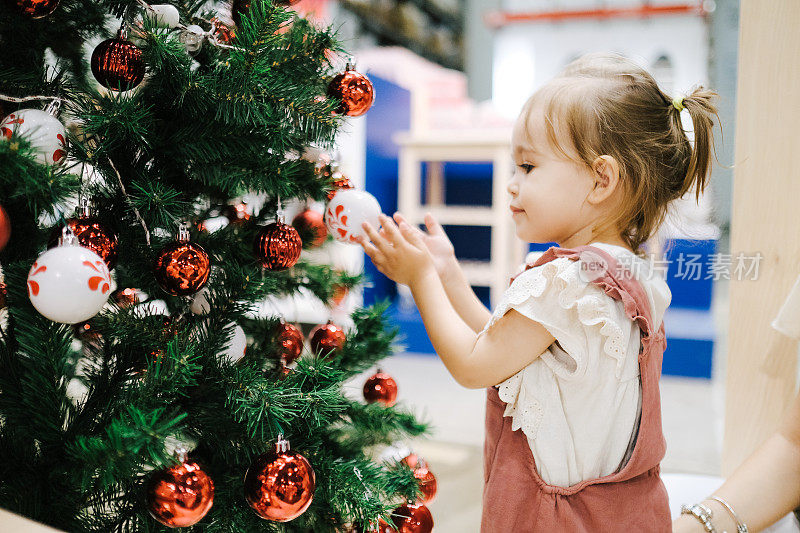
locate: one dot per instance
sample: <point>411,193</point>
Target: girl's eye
<point>526,167</point>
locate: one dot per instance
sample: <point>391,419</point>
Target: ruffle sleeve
<point>572,310</point>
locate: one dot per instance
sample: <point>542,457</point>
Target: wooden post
<point>761,365</point>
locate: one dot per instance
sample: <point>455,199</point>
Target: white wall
<point>528,55</point>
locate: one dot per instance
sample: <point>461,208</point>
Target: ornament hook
<point>282,445</point>
<point>181,454</point>
<point>54,107</point>
<point>68,237</point>
<point>183,231</point>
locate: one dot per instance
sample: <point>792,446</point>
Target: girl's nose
<point>512,188</point>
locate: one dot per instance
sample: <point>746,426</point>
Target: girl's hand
<point>436,240</point>
<point>399,253</point>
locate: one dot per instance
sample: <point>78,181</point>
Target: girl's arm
<point>764,488</point>
<point>512,343</point>
<point>455,283</point>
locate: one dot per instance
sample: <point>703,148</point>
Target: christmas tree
<point>135,304</point>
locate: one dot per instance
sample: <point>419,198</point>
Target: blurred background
<point>450,77</point>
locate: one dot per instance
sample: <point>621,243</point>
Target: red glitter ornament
<point>412,518</point>
<point>427,481</point>
<point>280,484</point>
<point>117,63</point>
<point>3,295</point>
<point>37,9</point>
<point>92,234</point>
<point>182,267</point>
<point>354,90</point>
<point>310,225</point>
<point>381,387</point>
<point>278,246</point>
<point>339,181</point>
<point>290,342</point>
<point>236,214</point>
<point>327,339</point>
<point>180,496</point>
<point>5,228</point>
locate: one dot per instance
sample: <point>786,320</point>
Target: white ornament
<point>200,305</point>
<point>192,37</point>
<point>236,347</point>
<point>348,209</point>
<point>69,284</point>
<point>166,15</point>
<point>41,129</point>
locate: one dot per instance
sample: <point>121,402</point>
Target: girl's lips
<point>514,210</point>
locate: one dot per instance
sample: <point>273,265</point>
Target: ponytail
<point>702,109</point>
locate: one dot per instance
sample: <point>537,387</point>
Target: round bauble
<point>355,92</point>
<point>278,246</point>
<point>42,130</point>
<point>326,339</point>
<point>182,268</point>
<point>36,9</point>
<point>289,342</point>
<point>427,481</point>
<point>279,485</point>
<point>92,234</point>
<point>381,388</point>
<point>412,518</point>
<point>117,63</point>
<point>69,284</point>
<point>347,211</point>
<point>180,496</point>
<point>310,225</point>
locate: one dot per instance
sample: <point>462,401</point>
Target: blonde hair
<point>608,105</point>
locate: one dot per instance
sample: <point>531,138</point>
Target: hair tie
<point>677,103</point>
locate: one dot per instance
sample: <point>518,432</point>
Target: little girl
<point>572,354</point>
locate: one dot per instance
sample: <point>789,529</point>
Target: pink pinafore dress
<point>515,499</point>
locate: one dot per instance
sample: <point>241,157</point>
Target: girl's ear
<point>606,178</point>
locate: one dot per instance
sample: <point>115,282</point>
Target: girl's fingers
<point>373,253</point>
<point>379,242</point>
<point>413,237</point>
<point>392,232</point>
<point>399,218</point>
<point>434,228</point>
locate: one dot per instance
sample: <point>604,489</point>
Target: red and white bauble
<point>347,211</point>
<point>41,129</point>
<point>69,283</point>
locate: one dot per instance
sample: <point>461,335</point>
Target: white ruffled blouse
<point>579,404</point>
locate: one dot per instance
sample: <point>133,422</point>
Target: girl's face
<point>548,191</point>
